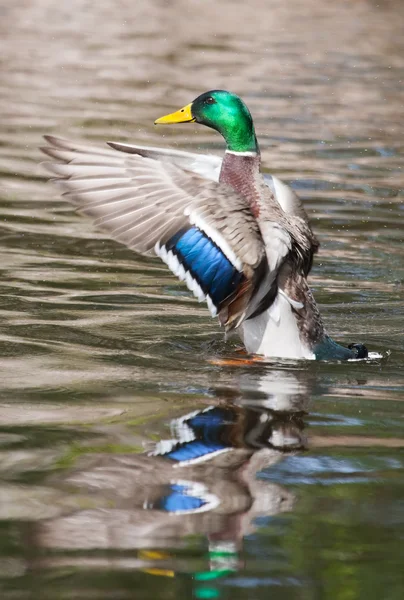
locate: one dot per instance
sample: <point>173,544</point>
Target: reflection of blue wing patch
<point>184,497</point>
<point>179,500</point>
<point>198,436</point>
<point>209,420</point>
<point>195,450</point>
<point>194,257</point>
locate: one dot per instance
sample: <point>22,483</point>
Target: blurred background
<point>104,354</point>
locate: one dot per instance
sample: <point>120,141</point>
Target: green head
<point>224,112</point>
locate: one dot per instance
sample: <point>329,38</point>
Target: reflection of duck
<point>134,499</point>
<point>204,434</point>
<point>272,421</point>
<point>223,561</point>
<point>206,473</point>
<point>202,481</point>
<point>239,242</point>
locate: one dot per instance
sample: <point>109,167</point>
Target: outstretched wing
<point>209,166</point>
<point>206,165</point>
<point>203,230</point>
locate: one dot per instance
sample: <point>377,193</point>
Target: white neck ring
<point>241,153</point>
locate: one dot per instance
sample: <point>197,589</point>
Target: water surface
<point>108,365</point>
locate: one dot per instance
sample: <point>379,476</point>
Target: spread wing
<point>209,166</point>
<point>203,230</point>
<point>206,165</point>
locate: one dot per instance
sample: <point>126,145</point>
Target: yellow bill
<point>184,115</point>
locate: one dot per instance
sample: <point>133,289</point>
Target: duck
<point>240,240</point>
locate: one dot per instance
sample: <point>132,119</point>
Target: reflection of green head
<point>223,559</point>
<point>224,112</point>
<point>208,590</point>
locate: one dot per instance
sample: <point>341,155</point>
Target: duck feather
<point>142,202</point>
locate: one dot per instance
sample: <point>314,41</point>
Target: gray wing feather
<point>143,196</point>
<point>206,165</point>
<point>209,165</point>
<point>288,200</point>
<point>141,200</point>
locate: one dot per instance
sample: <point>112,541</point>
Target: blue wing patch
<point>206,263</point>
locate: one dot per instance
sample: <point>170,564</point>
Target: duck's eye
<point>210,100</point>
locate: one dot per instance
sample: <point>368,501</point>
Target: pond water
<point>111,372</point>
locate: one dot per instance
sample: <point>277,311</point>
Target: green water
<point>105,357</point>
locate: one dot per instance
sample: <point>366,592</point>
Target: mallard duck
<point>239,240</point>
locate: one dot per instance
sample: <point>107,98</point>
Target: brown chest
<point>242,173</point>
